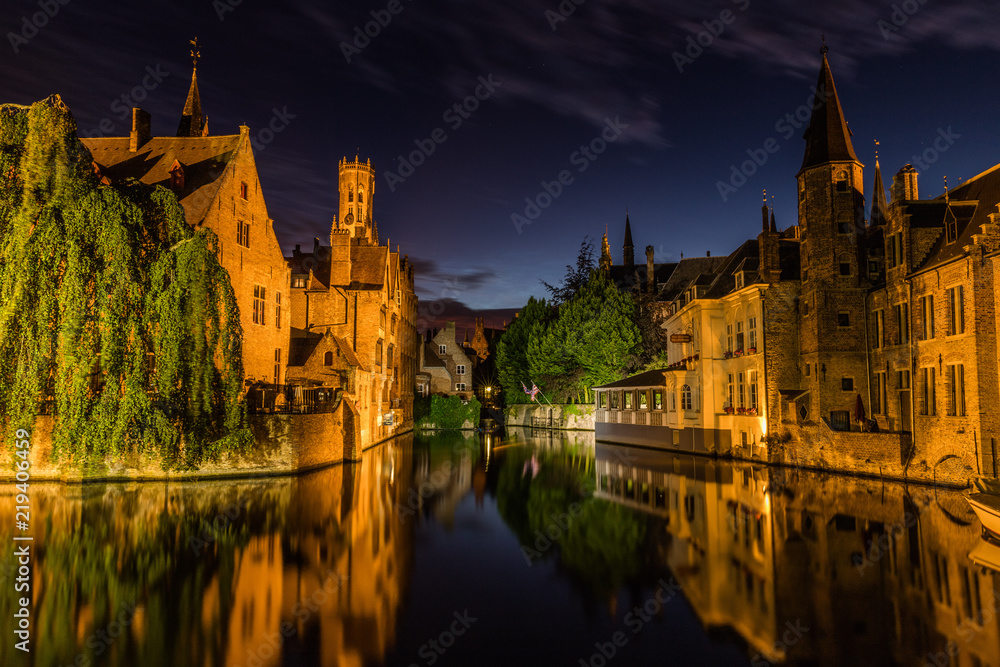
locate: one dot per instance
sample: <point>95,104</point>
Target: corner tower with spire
<point>831,221</point>
<point>193,122</point>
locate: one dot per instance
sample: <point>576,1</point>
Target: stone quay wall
<point>283,445</point>
<point>571,417</point>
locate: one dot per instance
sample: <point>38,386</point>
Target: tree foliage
<point>588,342</point>
<point>114,314</point>
<point>576,276</point>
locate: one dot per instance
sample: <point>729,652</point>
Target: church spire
<point>605,263</point>
<point>879,205</point>
<point>828,139</point>
<point>628,254</point>
<point>192,121</point>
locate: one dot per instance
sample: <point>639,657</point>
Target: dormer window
<point>950,227</point>
<point>740,280</point>
<point>177,176</point>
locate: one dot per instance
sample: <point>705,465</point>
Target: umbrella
<point>859,411</point>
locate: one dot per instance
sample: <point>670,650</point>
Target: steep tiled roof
<point>204,160</point>
<point>431,358</point>
<point>687,270</point>
<point>971,204</point>
<point>827,137</point>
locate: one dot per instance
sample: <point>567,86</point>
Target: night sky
<point>676,127</point>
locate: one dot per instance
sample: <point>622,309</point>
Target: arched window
<point>350,194</point>
<point>686,403</point>
<point>328,359</point>
<point>361,195</point>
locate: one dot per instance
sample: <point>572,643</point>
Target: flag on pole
<point>534,391</point>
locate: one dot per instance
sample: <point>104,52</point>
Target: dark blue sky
<point>557,88</point>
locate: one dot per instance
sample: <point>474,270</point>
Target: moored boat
<point>987,508</point>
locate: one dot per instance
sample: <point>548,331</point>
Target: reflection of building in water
<point>719,521</point>
<point>338,574</point>
<point>441,478</point>
<point>878,573</point>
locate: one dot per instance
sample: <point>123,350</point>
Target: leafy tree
<point>512,348</point>
<point>576,276</point>
<point>114,313</point>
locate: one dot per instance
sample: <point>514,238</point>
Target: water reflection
<point>810,568</point>
<point>552,540</point>
<point>309,570</point>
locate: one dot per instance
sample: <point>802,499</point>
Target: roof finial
<point>195,52</point>
<point>946,188</point>
<point>824,49</point>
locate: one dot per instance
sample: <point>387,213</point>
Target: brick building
<point>445,367</point>
<point>894,314</point>
<point>334,325</point>
<point>215,179</point>
<point>354,313</point>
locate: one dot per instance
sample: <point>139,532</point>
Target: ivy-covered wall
<point>446,412</point>
<point>115,315</point>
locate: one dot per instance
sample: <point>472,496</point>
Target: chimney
<point>904,184</point>
<point>650,277</point>
<point>141,124</point>
<point>708,253</point>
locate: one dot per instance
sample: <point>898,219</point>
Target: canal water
<point>529,549</point>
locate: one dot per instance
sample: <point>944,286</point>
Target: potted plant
<point>738,353</point>
<point>728,410</point>
<point>751,350</point>
<point>727,355</point>
<point>741,411</point>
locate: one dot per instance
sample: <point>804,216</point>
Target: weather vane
<point>195,52</point>
<point>824,49</point>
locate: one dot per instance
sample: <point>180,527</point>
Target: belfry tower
<point>831,223</point>
<point>357,192</point>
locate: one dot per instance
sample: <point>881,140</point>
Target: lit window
<point>928,406</point>
<point>956,310</point>
<point>657,399</point>
<point>298,282</point>
<point>628,400</point>
<point>259,295</point>
<point>956,390</point>
<point>927,317</point>
<point>643,400</point>
<point>243,234</point>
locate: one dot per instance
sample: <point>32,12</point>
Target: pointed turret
<point>828,138</point>
<point>605,263</point>
<point>628,256</point>
<point>880,208</point>
<point>192,119</point>
<point>774,227</point>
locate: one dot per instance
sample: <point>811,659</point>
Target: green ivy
<point>95,282</point>
<point>449,412</point>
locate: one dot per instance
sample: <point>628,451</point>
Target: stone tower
<point>357,192</point>
<point>605,261</point>
<point>831,223</point>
